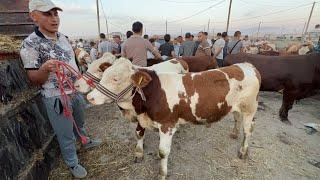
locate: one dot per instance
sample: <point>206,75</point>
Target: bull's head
<point>117,78</point>
<point>96,68</point>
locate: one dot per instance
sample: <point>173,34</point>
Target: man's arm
<point>181,50</point>
<point>173,54</point>
<point>40,76</point>
<point>123,50</point>
<point>153,50</point>
<point>217,51</point>
<point>99,50</point>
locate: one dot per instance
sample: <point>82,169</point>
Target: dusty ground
<point>277,150</point>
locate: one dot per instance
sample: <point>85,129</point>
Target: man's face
<point>48,21</point>
<point>200,36</point>
<point>117,40</point>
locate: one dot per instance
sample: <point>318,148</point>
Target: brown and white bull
<point>82,56</point>
<point>165,100</point>
<point>96,69</point>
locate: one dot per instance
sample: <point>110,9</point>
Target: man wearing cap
<point>39,52</point>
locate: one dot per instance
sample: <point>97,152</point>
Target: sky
<point>79,17</point>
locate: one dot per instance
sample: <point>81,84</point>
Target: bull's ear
<point>104,66</point>
<point>140,79</point>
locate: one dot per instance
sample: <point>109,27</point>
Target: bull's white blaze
<point>194,101</point>
<point>168,66</point>
<point>220,104</point>
<point>172,86</point>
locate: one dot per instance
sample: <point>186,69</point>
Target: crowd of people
<point>140,48</point>
<point>42,49</point>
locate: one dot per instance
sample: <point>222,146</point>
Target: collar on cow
<point>119,97</point>
<point>91,76</point>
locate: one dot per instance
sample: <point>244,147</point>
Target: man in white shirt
<point>208,40</point>
<point>218,49</point>
<point>246,42</point>
<point>93,51</point>
<point>104,46</point>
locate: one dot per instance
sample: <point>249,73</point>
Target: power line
<point>271,13</point>
<point>187,2</point>
<point>202,11</point>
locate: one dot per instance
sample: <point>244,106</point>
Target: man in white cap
<point>39,52</point>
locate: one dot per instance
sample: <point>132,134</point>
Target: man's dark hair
<point>92,43</point>
<point>218,34</point>
<point>179,37</point>
<point>129,33</point>
<point>167,37</point>
<point>205,33</point>
<point>102,36</point>
<point>137,27</point>
<point>188,35</point>
<point>224,34</point>
<point>192,35</point>
<point>152,40</point>
<point>80,40</point>
<point>145,36</point>
<point>237,33</point>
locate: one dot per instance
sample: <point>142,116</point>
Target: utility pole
<point>259,29</point>
<point>166,27</point>
<point>208,25</point>
<point>145,30</point>
<point>306,30</point>
<point>229,16</point>
<point>97,1</point>
<point>181,32</point>
<point>107,27</point>
<point>305,23</point>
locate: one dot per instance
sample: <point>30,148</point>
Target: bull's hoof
<point>161,177</point>
<point>243,155</point>
<point>285,120</point>
<point>138,156</point>
<point>138,159</point>
<point>233,136</point>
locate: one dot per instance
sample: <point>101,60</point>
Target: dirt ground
<point>277,150</point>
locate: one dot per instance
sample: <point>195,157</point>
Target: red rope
<point>61,69</point>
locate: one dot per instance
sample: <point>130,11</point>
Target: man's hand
<point>49,66</point>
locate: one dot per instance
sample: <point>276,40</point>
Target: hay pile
<point>9,45</point>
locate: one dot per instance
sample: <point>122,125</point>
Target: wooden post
<point>97,2</point>
<point>306,30</point>
<point>208,26</point>
<point>229,12</point>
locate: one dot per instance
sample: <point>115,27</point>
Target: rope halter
<point>119,97</point>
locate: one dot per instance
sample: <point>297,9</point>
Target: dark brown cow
<point>195,63</point>
<point>297,76</point>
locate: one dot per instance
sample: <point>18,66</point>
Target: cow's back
<point>199,63</point>
<point>279,72</point>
